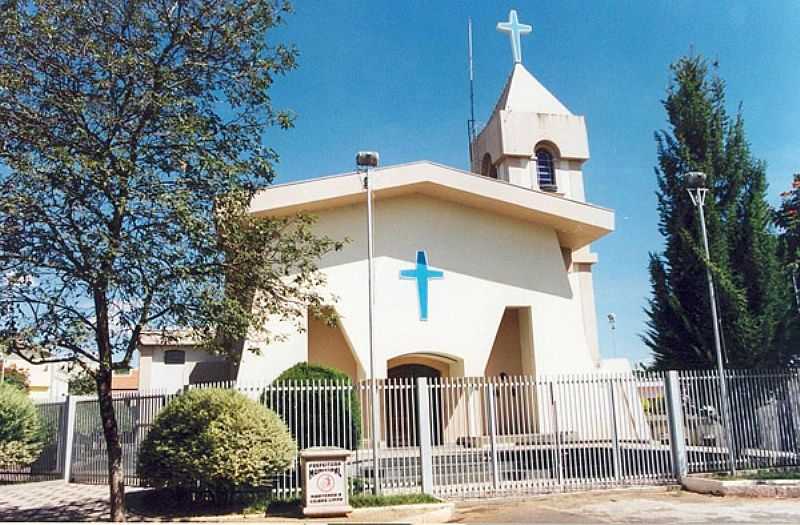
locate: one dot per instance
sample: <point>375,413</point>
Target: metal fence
<point>530,435</point>
<point>475,437</point>
<point>454,437</point>
<point>135,415</point>
<point>50,463</point>
<point>765,419</point>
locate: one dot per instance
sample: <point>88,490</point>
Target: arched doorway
<point>413,371</point>
<point>402,414</point>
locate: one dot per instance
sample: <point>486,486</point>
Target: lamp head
<point>696,180</point>
<point>367,159</point>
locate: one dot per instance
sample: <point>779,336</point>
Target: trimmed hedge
<point>22,435</point>
<point>215,440</point>
<point>325,414</point>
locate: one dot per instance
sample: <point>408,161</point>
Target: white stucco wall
<point>489,262</point>
<point>155,374</point>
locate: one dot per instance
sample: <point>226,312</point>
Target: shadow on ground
<point>87,510</point>
<point>162,504</point>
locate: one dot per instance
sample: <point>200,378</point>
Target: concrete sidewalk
<point>53,501</point>
<point>646,506</point>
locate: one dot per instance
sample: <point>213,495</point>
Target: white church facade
<point>479,273</point>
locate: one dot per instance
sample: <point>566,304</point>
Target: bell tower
<point>534,141</point>
<point>531,138</point>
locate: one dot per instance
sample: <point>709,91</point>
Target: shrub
<point>17,377</point>
<point>216,440</point>
<point>21,431</point>
<point>325,417</point>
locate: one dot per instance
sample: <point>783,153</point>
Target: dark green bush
<point>215,440</point>
<point>21,432</point>
<point>326,422</point>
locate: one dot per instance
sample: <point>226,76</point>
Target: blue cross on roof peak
<point>514,30</point>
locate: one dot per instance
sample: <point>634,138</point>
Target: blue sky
<point>373,76</point>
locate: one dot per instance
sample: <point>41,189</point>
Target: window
<point>487,168</point>
<point>545,170</point>
<point>174,357</point>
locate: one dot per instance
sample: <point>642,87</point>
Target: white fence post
<point>614,431</point>
<point>492,402</point>
<point>559,464</point>
<point>424,434</point>
<point>677,436</point>
<point>70,406</point>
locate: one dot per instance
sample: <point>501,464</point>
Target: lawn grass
<point>371,500</point>
<point>289,507</point>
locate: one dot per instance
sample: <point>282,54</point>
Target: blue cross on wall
<point>422,274</point>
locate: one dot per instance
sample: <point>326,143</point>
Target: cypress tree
<point>787,219</point>
<point>743,248</point>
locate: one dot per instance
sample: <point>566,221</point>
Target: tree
<point>744,263</point>
<point>787,219</point>
<point>82,383</point>
<point>16,377</point>
<point>131,142</point>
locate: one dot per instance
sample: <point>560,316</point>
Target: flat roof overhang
<point>577,223</point>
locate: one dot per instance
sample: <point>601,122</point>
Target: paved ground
<point>53,501</point>
<point>58,501</point>
<point>631,506</point>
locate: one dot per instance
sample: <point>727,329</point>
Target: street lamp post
<point>612,323</point>
<point>698,191</point>
<point>364,161</point>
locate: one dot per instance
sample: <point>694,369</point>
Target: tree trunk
<point>116,480</point>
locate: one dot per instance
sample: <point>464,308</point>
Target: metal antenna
<point>471,121</point>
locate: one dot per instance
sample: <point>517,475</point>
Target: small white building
<point>478,273</point>
<point>46,382</point>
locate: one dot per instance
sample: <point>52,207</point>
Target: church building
<point>486,272</point>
